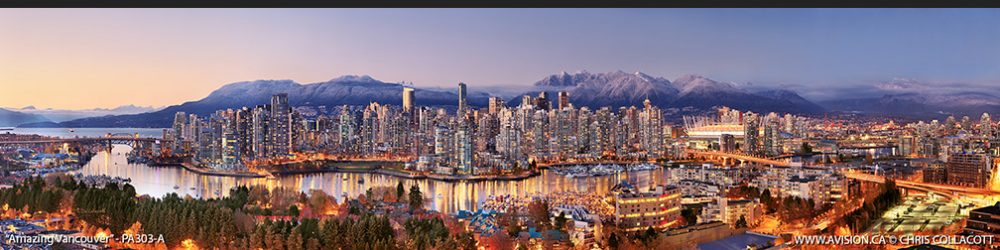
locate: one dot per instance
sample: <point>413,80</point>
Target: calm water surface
<point>443,196</point>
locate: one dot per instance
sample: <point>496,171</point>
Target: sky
<point>103,58</point>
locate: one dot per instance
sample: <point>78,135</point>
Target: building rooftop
<point>994,209</point>
<point>739,242</point>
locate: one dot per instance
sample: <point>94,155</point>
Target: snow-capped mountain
<point>344,90</point>
<point>619,88</point>
<point>907,97</point>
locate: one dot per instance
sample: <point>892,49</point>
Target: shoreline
<point>371,169</point>
<point>216,173</point>
<point>406,175</point>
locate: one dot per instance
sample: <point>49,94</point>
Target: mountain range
<point>616,89</point>
<point>345,90</point>
<point>61,115</point>
<point>689,93</point>
<point>9,118</point>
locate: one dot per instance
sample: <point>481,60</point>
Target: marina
<point>583,171</point>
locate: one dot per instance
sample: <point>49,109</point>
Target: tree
<point>806,149</point>
<point>312,244</point>
<point>416,198</point>
<point>399,191</point>
<point>538,210</point>
<point>690,215</point>
<point>768,200</point>
<point>319,201</point>
<point>649,236</point>
<point>293,211</point>
<point>613,241</point>
<point>742,222</point>
<point>295,239</point>
<point>561,221</point>
<point>466,241</point>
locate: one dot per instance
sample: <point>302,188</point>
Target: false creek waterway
<point>444,196</point>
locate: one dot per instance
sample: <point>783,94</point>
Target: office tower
<point>986,126</point>
<point>408,99</point>
<point>244,131</point>
<point>906,144</point>
<point>495,105</point>
<point>542,102</point>
<point>584,131</point>
<point>772,134</point>
<point>367,134</point>
<point>751,134</point>
<point>463,147</point>
<point>346,128</point>
<point>260,127</point>
<point>280,127</point>
<point>191,129</point>
<point>727,143</point>
<point>950,122</point>
<point>444,141</point>
<point>563,99</point>
<point>508,141</point>
<point>461,99</point>
<point>651,129</point>
<point>527,101</point>
<point>539,134</point>
<point>229,138</point>
<point>789,124</point>
<point>970,170</point>
<point>180,120</point>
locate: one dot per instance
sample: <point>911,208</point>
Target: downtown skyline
<point>154,60</point>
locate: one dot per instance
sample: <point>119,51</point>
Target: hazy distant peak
<point>129,109</point>
<point>901,84</point>
<point>29,107</point>
<point>697,83</point>
<point>258,84</point>
<point>355,78</point>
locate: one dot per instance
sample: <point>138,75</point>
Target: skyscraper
<point>751,134</point>
<point>495,105</point>
<point>986,126</point>
<point>563,99</point>
<point>408,99</point>
<point>461,99</point>
<point>180,120</point>
<point>542,102</point>
<point>463,148</point>
<point>969,170</point>
<point>280,127</point>
<point>260,129</point>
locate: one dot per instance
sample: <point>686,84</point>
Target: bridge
<point>727,157</point>
<point>865,144</point>
<point>950,191</point>
<point>126,139</point>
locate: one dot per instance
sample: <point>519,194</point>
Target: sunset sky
<point>88,58</point>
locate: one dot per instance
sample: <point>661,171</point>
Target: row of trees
<point>225,223</point>
<point>863,218</point>
<point>32,196</point>
<point>788,208</point>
